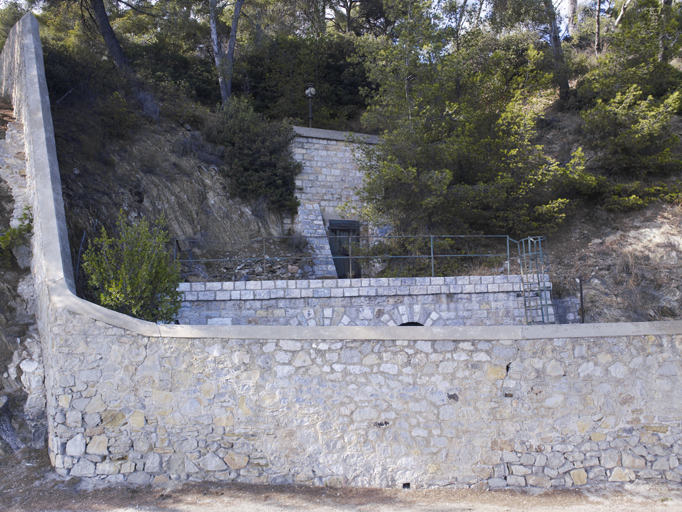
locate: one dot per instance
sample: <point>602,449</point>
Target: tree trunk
<point>664,54</point>
<point>218,51</point>
<point>460,18</point>
<point>231,43</point>
<point>597,34</point>
<point>560,70</point>
<point>110,40</point>
<point>572,18</point>
<point>478,14</point>
<point>626,4</point>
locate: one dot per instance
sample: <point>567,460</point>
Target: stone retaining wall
<point>542,412</point>
<point>129,400</point>
<point>438,301</point>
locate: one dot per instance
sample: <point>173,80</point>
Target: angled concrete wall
<point>128,400</point>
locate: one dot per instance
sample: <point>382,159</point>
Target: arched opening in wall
<point>411,324</point>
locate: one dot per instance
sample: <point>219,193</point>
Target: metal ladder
<point>535,282</point>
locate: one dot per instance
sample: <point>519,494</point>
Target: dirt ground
<point>27,483</point>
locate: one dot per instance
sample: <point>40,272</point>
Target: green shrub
<point>258,158</point>
<point>9,15</point>
<point>132,273</point>
<point>631,135</point>
<point>15,237</point>
<point>623,197</point>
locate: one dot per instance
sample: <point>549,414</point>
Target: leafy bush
<point>631,135</point>
<point>635,196</point>
<point>9,15</point>
<point>259,161</point>
<point>132,273</point>
<point>15,237</point>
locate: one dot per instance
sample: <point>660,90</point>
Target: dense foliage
<point>15,237</point>
<point>460,91</point>
<point>132,272</point>
<point>258,157</point>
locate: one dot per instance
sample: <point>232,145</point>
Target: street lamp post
<point>309,93</point>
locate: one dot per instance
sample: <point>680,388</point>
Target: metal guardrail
<point>425,255</point>
<point>376,249</point>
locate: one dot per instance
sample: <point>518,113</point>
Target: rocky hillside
<point>626,260</point>
<point>163,169</point>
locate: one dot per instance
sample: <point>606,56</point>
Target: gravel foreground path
<point>27,483</point>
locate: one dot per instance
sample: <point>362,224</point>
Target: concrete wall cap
<point>317,133</point>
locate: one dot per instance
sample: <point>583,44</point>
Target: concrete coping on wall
<point>317,133</point>
<point>57,273</point>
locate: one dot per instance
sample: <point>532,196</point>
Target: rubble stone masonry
<point>127,400</point>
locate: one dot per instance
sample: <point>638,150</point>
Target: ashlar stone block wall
<point>131,401</point>
<point>438,301</point>
<point>330,175</point>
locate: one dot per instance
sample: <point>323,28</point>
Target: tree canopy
<point>459,91</point>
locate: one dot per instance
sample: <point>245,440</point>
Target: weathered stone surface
<point>555,460</point>
<point>336,482</point>
<point>226,420</point>
<point>497,372</point>
<point>610,459</point>
<point>528,459</point>
<point>75,447</point>
<point>74,419</point>
<point>153,463</point>
<point>539,481</point>
<point>622,475</point>
<point>236,460</point>
<point>107,468</point>
<point>554,368</point>
<point>83,468</point>
<point>495,483</point>
<point>98,445</point>
<point>213,463</point>
<point>137,419</point>
<point>633,462</point>
<point>520,470</point>
<point>661,464</point>
<point>579,476</point>
<point>139,478</point>
<point>516,481</point>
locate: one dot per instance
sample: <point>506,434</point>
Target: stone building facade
<point>330,177</point>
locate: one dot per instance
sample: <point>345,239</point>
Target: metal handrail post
<point>522,255</point>
<point>264,254</point>
<point>433,269</point>
<point>350,257</point>
<point>508,257</point>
